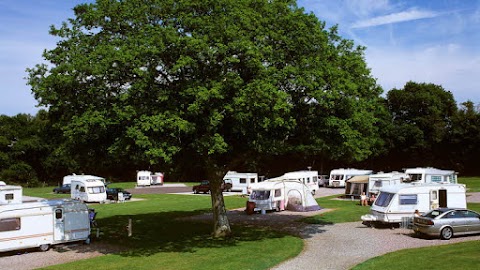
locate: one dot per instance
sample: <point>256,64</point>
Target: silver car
<point>446,222</point>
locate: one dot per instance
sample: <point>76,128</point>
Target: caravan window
<point>384,199</point>
<point>278,192</point>
<point>82,189</point>
<point>9,196</point>
<point>415,177</point>
<point>58,213</point>
<point>260,194</point>
<point>252,180</point>
<point>243,180</point>
<point>337,177</point>
<point>378,183</point>
<point>9,224</point>
<point>408,199</point>
<point>436,178</point>
<point>96,190</point>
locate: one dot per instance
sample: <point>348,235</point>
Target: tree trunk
<point>221,225</point>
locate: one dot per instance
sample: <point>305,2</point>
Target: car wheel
<point>446,233</point>
<point>44,247</point>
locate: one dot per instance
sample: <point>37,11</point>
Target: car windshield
<point>204,183</point>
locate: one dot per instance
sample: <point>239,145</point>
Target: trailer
<point>240,180</point>
<point>10,194</point>
<point>431,175</point>
<point>42,224</point>
<point>379,180</point>
<point>67,180</point>
<point>147,178</point>
<point>88,189</point>
<point>309,178</point>
<point>279,194</point>
<point>396,203</point>
<point>338,177</point>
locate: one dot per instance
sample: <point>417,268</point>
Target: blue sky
<point>432,41</point>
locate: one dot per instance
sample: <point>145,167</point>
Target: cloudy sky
<point>432,41</point>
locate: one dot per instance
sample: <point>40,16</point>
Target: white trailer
<point>379,180</point>
<point>240,180</point>
<point>88,189</point>
<point>147,178</point>
<point>309,178</point>
<point>338,177</point>
<point>67,180</point>
<point>280,194</point>
<point>397,202</point>
<point>431,175</point>
<point>10,194</point>
<point>42,224</point>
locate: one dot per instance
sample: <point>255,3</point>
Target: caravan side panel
<point>20,230</point>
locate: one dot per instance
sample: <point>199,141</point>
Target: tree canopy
<point>150,81</point>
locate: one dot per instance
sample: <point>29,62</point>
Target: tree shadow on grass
<point>181,232</point>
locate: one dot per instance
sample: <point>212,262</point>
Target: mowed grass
<point>165,238</point>
<point>454,256</point>
<point>472,183</point>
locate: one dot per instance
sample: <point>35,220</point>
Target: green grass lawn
<point>162,240</point>
<point>473,183</point>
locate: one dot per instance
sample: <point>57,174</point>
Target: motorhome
<point>88,190</point>
<point>338,177</point>
<point>42,224</point>
<point>147,178</point>
<point>240,180</point>
<point>279,194</point>
<point>397,202</point>
<point>379,180</point>
<point>309,178</point>
<point>431,175</point>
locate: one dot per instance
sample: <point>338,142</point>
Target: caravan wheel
<point>44,247</point>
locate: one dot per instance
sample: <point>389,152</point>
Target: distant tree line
<point>420,125</point>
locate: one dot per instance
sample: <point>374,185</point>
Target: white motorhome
<point>147,178</point>
<point>397,202</point>
<point>309,178</point>
<point>379,180</point>
<point>88,189</point>
<point>279,194</point>
<point>431,175</point>
<point>42,224</point>
<point>240,180</point>
<point>338,177</point>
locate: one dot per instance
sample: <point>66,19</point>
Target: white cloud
<point>403,16</point>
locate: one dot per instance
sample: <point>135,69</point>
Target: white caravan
<point>43,223</point>
<point>279,194</point>
<point>309,178</point>
<point>431,175</point>
<point>10,194</point>
<point>147,178</point>
<point>338,177</point>
<point>240,181</point>
<point>67,180</point>
<point>379,180</point>
<point>397,202</point>
<point>88,189</point>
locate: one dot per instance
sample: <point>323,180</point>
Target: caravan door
<point>59,225</point>
<point>442,198</point>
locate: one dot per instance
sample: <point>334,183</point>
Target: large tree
<point>220,81</point>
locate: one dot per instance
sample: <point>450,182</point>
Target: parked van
<point>279,194</point>
<point>400,201</point>
<point>88,189</point>
<point>42,224</point>
<point>379,180</point>
<point>240,180</point>
<point>338,177</point>
<point>431,175</point>
<point>147,178</point>
<point>309,178</point>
